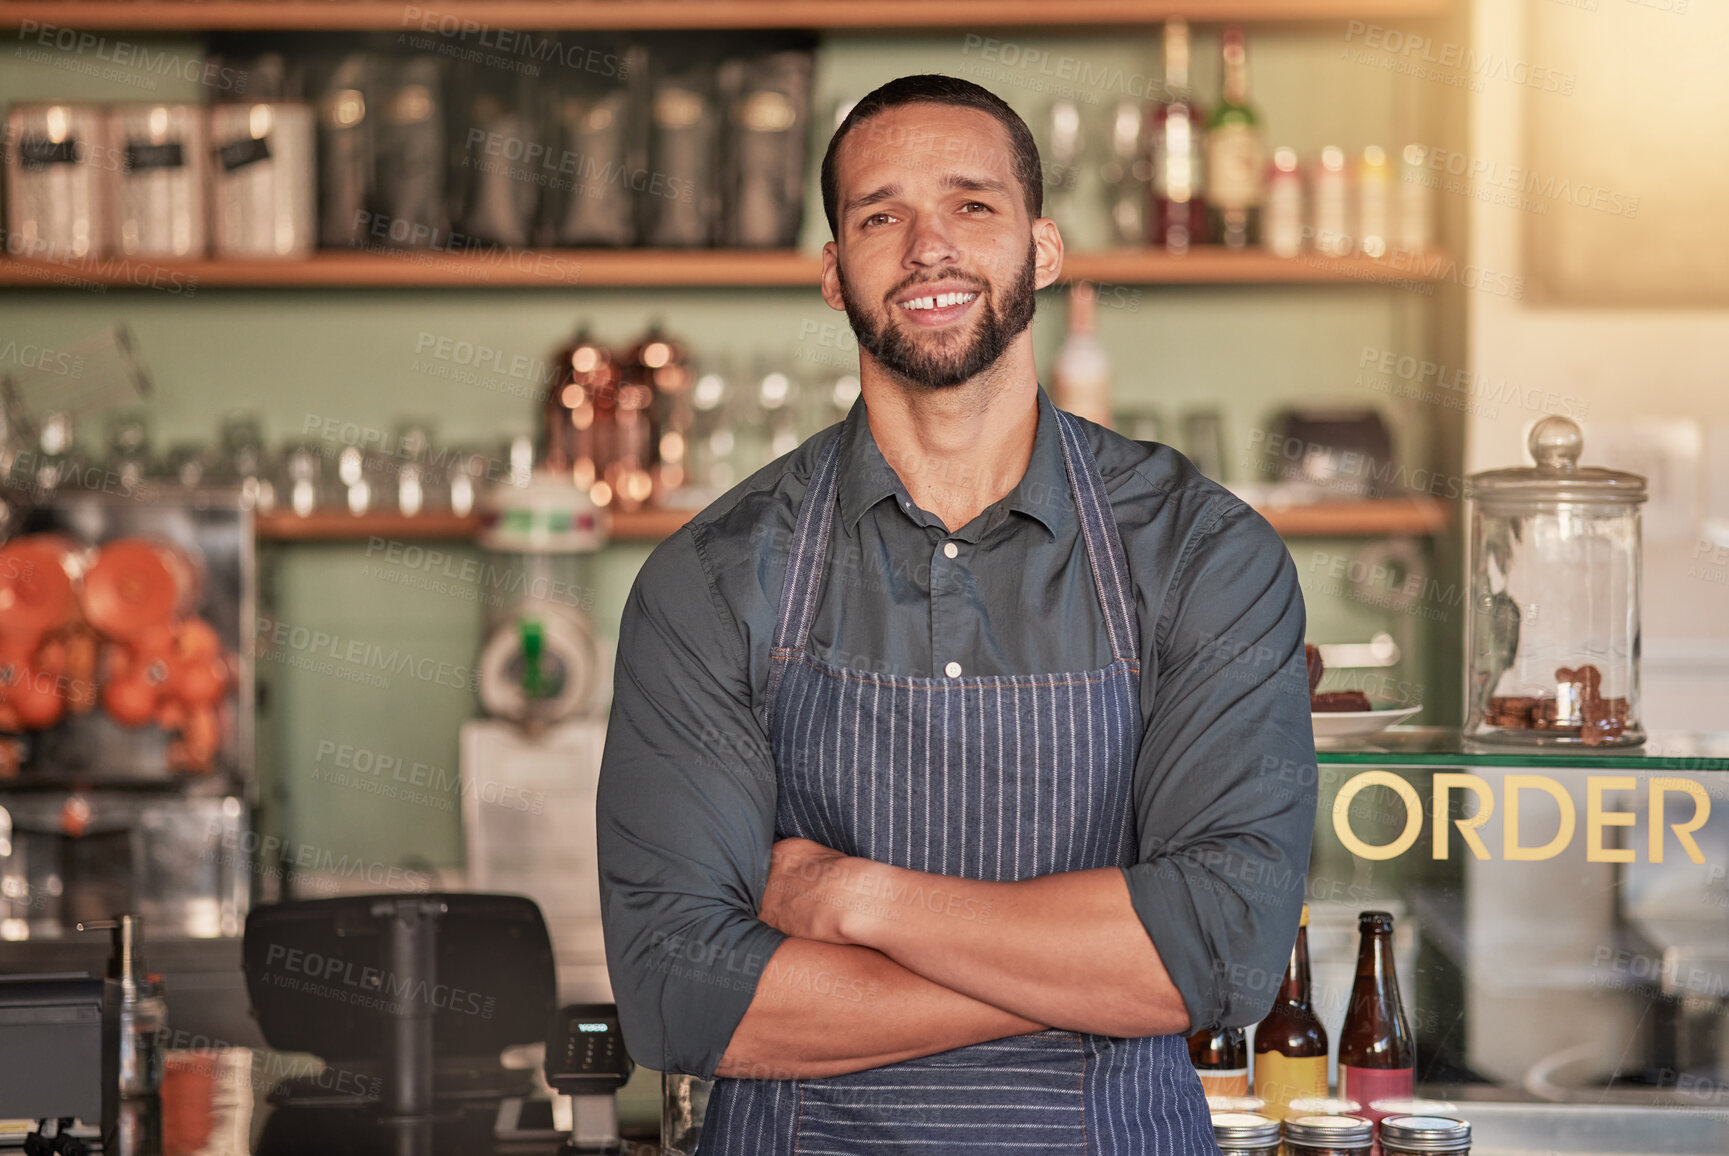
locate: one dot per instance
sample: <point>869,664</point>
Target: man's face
<point>936,257</point>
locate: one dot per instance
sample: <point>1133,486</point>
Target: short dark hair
<point>933,88</point>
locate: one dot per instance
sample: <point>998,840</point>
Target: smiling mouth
<point>938,301</point>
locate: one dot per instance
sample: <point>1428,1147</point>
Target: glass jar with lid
<point>1245,1134</point>
<point>1421,1135</point>
<point>1552,613</point>
<point>1328,1136</point>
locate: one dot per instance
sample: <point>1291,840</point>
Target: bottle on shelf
<point>1063,147</point>
<point>1127,174</point>
<point>1416,207</point>
<point>1282,218</point>
<point>1377,1052</point>
<point>1221,1059</point>
<point>1179,216</point>
<point>1291,1044</point>
<point>1236,153</point>
<point>1081,374</point>
<point>1332,224</point>
<point>1374,202</point>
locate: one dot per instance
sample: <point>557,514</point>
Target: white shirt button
<point>950,549</point>
<point>953,670</point>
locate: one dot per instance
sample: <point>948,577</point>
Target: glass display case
<point>1562,929</point>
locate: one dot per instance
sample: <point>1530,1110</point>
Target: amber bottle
<point>1291,1044</point>
<point>1221,1059</point>
<point>1377,1054</point>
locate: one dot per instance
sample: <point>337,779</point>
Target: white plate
<point>1356,724</point>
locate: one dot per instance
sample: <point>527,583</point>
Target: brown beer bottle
<point>1291,1044</point>
<point>1221,1059</point>
<point>1377,1053</point>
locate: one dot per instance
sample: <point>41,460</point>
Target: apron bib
<point>999,778</point>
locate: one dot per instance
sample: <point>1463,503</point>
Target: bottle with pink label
<point>1377,1052</point>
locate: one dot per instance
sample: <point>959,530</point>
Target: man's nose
<point>930,243</point>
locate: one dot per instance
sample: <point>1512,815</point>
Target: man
<point>935,801</point>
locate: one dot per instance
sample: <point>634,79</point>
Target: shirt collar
<point>865,478</point>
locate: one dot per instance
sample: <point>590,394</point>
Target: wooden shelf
<point>670,268</point>
<point>368,269</point>
<point>1360,519</point>
<point>1406,516</point>
<point>648,525</point>
<point>494,15</point>
<point>1216,265</point>
<point>336,526</point>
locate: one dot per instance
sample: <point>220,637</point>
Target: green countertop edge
<point>1662,752</point>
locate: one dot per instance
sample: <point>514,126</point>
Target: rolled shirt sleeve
<point>685,820</point>
<point>1224,783</point>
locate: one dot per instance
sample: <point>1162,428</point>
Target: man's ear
<point>1047,253</point>
<point>831,276</point>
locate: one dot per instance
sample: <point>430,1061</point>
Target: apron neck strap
<point>1111,579</point>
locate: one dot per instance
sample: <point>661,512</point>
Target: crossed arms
<point>943,962</point>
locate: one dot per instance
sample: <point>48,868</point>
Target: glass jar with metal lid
<point>1245,1134</point>
<point>1328,1136</point>
<point>1421,1135</point>
<point>1552,613</point>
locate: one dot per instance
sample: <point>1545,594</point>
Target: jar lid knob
<point>1555,443</point>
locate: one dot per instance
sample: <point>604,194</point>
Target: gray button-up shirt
<point>1224,781</point>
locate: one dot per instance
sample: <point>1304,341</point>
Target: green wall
<point>298,359</point>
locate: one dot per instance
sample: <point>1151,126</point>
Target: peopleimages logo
<point>1466,384</point>
<point>1486,174</point>
<point>42,359</point>
<point>562,169</point>
<point>496,44</point>
<point>143,57</point>
<point>1423,57</point>
<point>363,986</point>
<point>354,658</point>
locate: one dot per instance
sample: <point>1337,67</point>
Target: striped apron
<point>999,778</point>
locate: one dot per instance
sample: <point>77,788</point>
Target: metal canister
<point>1421,1135</point>
<point>1328,1136</point>
<point>263,192</point>
<point>55,159</point>
<point>1245,1134</point>
<point>157,189</point>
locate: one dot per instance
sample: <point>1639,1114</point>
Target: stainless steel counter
<point>1595,1130</point>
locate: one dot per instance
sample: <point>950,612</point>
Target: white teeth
<point>940,301</point>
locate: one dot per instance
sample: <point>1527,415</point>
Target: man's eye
<point>970,206</point>
<point>877,219</point>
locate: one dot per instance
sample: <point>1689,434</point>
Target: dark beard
<point>939,369</point>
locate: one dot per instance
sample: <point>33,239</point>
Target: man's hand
<point>806,894</point>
